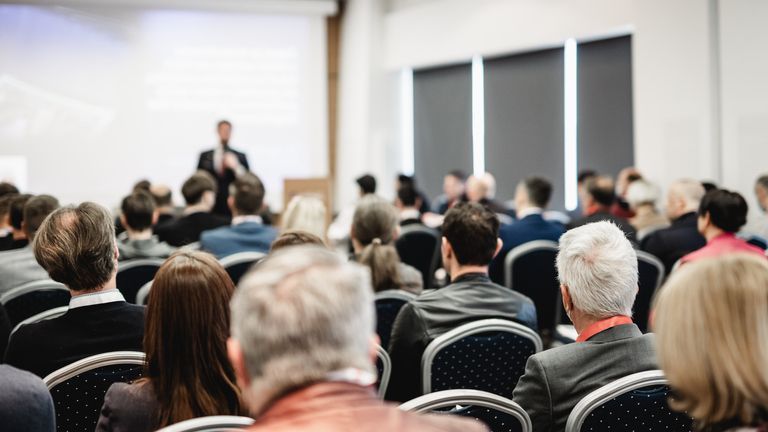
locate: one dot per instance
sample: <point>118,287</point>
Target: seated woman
<point>712,337</point>
<point>187,373</point>
<point>375,227</point>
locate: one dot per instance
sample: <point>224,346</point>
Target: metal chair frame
<point>143,293</point>
<point>31,287</point>
<point>93,362</point>
<point>209,424</point>
<point>386,373</point>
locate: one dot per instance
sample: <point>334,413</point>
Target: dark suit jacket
<point>246,236</point>
<point>469,298</point>
<point>187,229</point>
<point>622,223</point>
<point>205,163</point>
<point>672,243</point>
<point>557,379</point>
<point>25,402</point>
<point>44,347</point>
<point>530,228</point>
<point>128,408</point>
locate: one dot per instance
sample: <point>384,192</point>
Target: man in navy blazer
<point>247,232</point>
<point>225,165</point>
<point>531,198</point>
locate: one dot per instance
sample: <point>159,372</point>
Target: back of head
<point>35,212</point>
<point>142,185</point>
<point>599,266</point>
<point>306,213</point>
<point>689,191</point>
<point>186,330</point>
<point>5,206</point>
<point>296,238</point>
<point>601,189</point>
<point>162,195</point>
<point>539,191</point>
<point>459,175</point>
<point>584,175</point>
<point>76,246</point>
<point>374,226</point>
<point>8,188</point>
<point>712,338</point>
<point>405,180</point>
<point>490,183</point>
<point>300,314</point>
<point>727,210</point>
<point>247,193</point>
<point>367,184</point>
<point>195,186</point>
<point>138,210</point>
<point>476,189</point>
<point>17,210</point>
<point>407,196</point>
<point>473,232</point>
<point>642,192</point>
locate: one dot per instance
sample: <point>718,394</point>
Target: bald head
<point>684,197</point>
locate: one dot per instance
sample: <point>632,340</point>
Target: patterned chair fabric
<point>388,304</point>
<point>237,265</point>
<point>384,368</point>
<point>651,273</point>
<point>419,247</point>
<point>210,424</point>
<point>488,355</point>
<point>78,389</point>
<point>635,403</point>
<point>498,413</point>
<point>31,299</point>
<point>530,269</point>
<point>133,274</point>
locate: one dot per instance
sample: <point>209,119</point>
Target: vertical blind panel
<point>524,121</point>
<point>605,105</point>
<point>442,123</point>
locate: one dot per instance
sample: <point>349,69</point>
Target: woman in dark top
<point>187,373</point>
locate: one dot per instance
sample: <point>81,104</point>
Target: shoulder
<point>441,422</point>
<point>122,394</point>
<point>206,154</point>
<point>16,381</point>
<point>216,233</point>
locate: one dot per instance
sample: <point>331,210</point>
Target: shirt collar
<point>529,211</point>
<point>602,326</point>
<point>726,236</point>
<point>96,298</point>
<point>352,376</point>
<point>237,220</point>
<point>409,213</point>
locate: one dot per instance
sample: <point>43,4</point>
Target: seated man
<point>721,214</point>
<point>247,232</point>
<point>25,403</point>
<point>138,216</point>
<point>164,202</point>
<point>16,215</point>
<point>453,192</point>
<point>200,194</point>
<point>7,193</point>
<point>682,236</point>
<point>598,197</point>
<point>76,246</point>
<point>407,204</point>
<point>470,241</point>
<point>19,266</point>
<point>597,267</point>
<point>531,198</point>
<point>303,348</point>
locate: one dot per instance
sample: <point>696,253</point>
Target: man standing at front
<point>224,164</point>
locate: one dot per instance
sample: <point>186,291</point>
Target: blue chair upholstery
<point>651,274</point>
<point>637,402</point>
<point>384,368</point>
<point>133,274</point>
<point>419,247</point>
<point>755,240</point>
<point>498,413</point>
<point>209,424</point>
<point>488,355</point>
<point>33,298</point>
<point>78,389</point>
<point>388,304</point>
<point>237,265</point>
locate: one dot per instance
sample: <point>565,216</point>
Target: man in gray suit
<point>597,267</point>
<point>25,403</point>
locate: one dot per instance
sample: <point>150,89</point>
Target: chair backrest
<point>498,413</point>
<point>384,367</point>
<point>42,316</point>
<point>133,274</point>
<point>78,389</point>
<point>33,298</point>
<point>210,424</point>
<point>238,264</point>
<point>651,274</point>
<point>530,269</point>
<point>637,402</point>
<point>419,247</point>
<point>143,294</point>
<point>755,240</point>
<point>488,355</point>
<point>388,304</point>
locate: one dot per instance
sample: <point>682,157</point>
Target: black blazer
<point>187,229</point>
<point>672,243</point>
<point>47,346</point>
<point>205,163</point>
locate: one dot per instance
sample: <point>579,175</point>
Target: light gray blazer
<point>25,403</point>
<point>557,379</point>
<point>18,267</point>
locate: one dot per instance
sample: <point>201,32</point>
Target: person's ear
<point>499,245</point>
<point>231,203</point>
<point>155,217</point>
<point>567,301</point>
<point>396,233</point>
<point>24,228</point>
<point>446,249</point>
<point>236,357</point>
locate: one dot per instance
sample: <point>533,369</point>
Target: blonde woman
<point>711,326</point>
<point>305,213</point>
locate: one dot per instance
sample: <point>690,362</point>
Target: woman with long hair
<point>187,372</point>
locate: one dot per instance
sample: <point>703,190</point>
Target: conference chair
<point>388,305</point>
<point>384,367</point>
<point>78,389</point>
<point>133,274</point>
<point>143,294</point>
<point>238,264</point>
<point>498,413</point>
<point>42,316</point>
<point>637,402</point>
<point>419,247</point>
<point>755,240</point>
<point>488,355</point>
<point>33,298</point>
<point>209,424</point>
<point>651,274</point>
<point>530,269</point>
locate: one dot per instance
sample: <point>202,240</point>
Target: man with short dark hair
<point>225,164</point>
<point>19,266</point>
<point>338,231</point>
<point>76,246</point>
<point>199,192</point>
<point>598,196</point>
<point>531,198</point>
<point>247,232</point>
<point>409,181</point>
<point>470,241</point>
<point>138,216</point>
<point>721,215</point>
<point>6,228</point>
<point>408,203</point>
<point>16,216</point>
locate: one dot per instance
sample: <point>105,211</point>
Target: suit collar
<point>623,331</point>
<point>318,397</point>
